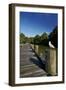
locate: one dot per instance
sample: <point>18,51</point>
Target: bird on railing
<point>51,45</point>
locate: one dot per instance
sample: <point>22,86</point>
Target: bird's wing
<point>50,44</point>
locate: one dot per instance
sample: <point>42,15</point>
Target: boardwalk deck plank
<point>30,65</point>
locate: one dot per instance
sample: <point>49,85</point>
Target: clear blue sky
<point>32,23</point>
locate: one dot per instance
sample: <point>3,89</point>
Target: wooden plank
<point>30,65</point>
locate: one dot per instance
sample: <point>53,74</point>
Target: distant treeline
<point>41,39</point>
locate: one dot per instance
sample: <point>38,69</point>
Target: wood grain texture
<point>30,64</point>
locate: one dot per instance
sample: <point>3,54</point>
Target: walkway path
<point>30,65</point>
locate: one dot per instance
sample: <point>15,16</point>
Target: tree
<point>22,38</point>
<point>53,37</point>
<point>44,39</point>
<point>44,36</point>
<point>22,35</point>
<point>30,40</point>
<point>37,39</point>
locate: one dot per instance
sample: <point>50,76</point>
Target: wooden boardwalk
<point>30,65</point>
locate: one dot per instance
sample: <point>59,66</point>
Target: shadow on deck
<point>38,62</point>
<point>31,65</point>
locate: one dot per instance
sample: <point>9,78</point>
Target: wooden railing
<point>50,59</point>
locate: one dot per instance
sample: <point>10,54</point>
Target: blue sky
<point>32,23</point>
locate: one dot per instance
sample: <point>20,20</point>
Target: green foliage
<point>23,39</point>
<point>43,39</point>
<point>53,37</point>
<point>37,39</point>
<point>44,36</point>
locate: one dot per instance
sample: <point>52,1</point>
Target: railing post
<point>50,56</point>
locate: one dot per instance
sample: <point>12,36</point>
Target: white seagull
<point>50,45</point>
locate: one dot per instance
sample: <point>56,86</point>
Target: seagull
<point>50,45</point>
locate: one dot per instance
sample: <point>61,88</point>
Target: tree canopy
<point>53,37</point>
<point>42,39</point>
